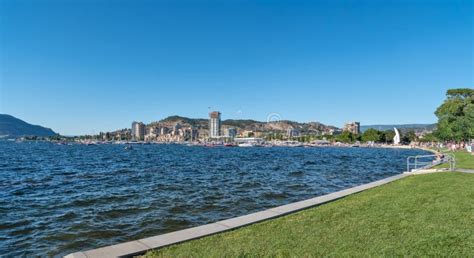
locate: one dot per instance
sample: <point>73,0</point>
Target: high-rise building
<point>133,129</point>
<point>138,131</point>
<point>352,127</point>
<point>214,124</point>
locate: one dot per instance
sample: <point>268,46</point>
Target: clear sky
<point>90,65</point>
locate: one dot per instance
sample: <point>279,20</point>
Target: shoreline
<point>141,246</point>
<point>210,144</point>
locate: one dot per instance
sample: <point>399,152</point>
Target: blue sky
<point>89,66</point>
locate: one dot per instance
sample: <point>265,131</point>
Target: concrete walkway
<point>471,171</point>
<point>438,170</point>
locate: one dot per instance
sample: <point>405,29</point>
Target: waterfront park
<point>421,215</point>
<point>424,212</point>
<point>195,129</point>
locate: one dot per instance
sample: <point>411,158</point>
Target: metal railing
<point>419,162</point>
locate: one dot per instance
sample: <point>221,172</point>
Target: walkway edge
<point>141,246</point>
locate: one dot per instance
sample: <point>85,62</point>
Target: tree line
<point>456,116</point>
<point>455,124</point>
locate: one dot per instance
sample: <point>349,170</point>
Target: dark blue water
<point>57,199</point>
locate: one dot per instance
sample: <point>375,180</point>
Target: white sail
<point>396,139</point>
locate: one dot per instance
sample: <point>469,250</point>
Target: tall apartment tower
<point>138,131</point>
<point>214,124</point>
<point>134,125</point>
<point>353,127</point>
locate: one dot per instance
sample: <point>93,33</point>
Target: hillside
<point>245,125</point>
<point>12,127</point>
<point>401,127</point>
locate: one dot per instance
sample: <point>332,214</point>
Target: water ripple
<point>57,199</point>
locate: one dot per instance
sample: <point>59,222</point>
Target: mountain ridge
<point>245,125</point>
<point>402,127</point>
<point>12,127</point>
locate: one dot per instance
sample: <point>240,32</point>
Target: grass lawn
<point>464,159</point>
<point>423,215</point>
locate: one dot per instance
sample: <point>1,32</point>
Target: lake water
<point>58,199</point>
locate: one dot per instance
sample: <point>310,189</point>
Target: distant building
<point>249,140</point>
<point>247,134</point>
<point>163,131</point>
<point>231,132</point>
<point>138,131</point>
<point>134,125</point>
<point>292,132</point>
<point>123,134</point>
<point>214,124</point>
<point>151,133</point>
<point>194,134</point>
<point>335,131</point>
<point>352,127</point>
<point>176,129</point>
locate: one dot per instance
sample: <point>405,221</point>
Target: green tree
<point>387,136</point>
<point>456,116</point>
<point>412,136</point>
<point>345,137</point>
<point>409,137</point>
<point>371,135</point>
<point>428,138</point>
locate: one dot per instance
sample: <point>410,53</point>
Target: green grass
<point>424,215</point>
<point>464,159</point>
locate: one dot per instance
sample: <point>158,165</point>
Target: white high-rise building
<point>138,131</point>
<point>133,129</point>
<point>214,124</point>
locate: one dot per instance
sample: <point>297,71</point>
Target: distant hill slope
<point>247,124</point>
<point>402,127</point>
<point>12,127</point>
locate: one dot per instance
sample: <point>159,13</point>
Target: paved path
<point>465,170</point>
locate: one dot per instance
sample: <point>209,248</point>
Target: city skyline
<point>85,67</point>
<point>178,129</point>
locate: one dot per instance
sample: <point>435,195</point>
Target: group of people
<point>461,146</point>
<point>451,146</point>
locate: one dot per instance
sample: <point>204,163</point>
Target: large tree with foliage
<point>346,137</point>
<point>428,138</point>
<point>387,136</point>
<point>456,116</point>
<point>409,137</point>
<point>371,135</point>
